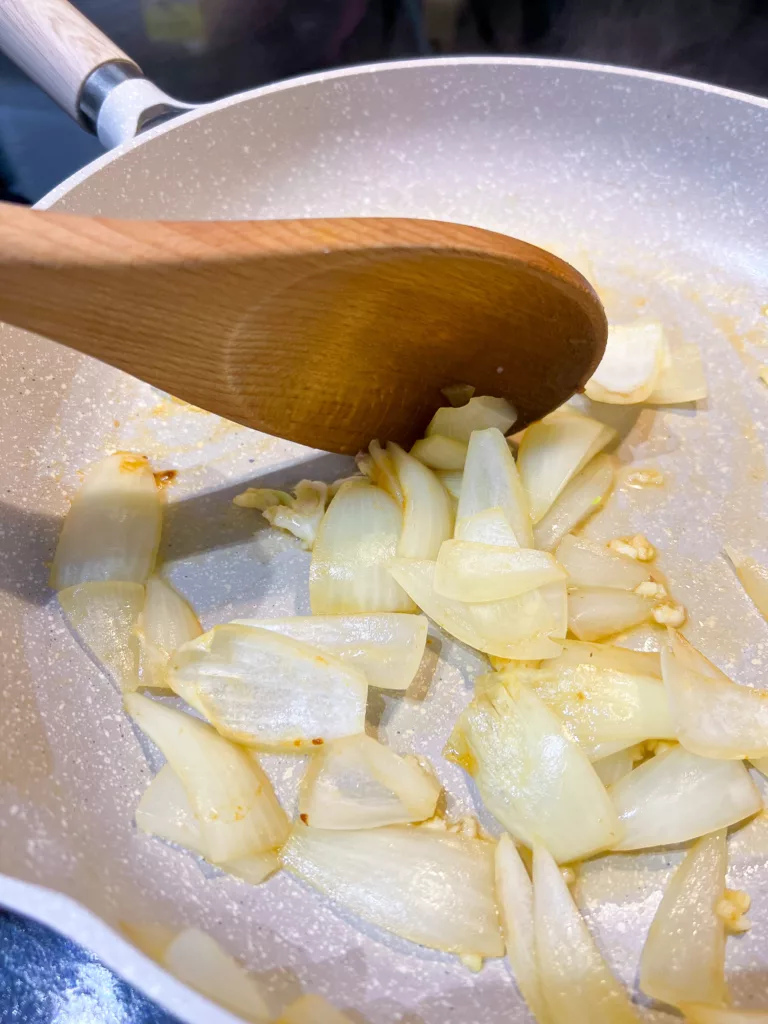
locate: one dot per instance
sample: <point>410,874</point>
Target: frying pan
<point>659,182</point>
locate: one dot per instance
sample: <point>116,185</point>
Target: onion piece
<point>683,960</point>
<point>594,565</point>
<point>580,652</point>
<point>112,530</point>
<point>432,887</point>
<point>104,616</point>
<point>200,962</point>
<point>681,378</point>
<point>451,480</point>
<point>254,869</point>
<point>231,796</point>
<point>491,526</point>
<point>380,470</point>
<point>440,452</point>
<point>677,796</point>
<point>514,892</point>
<point>458,422</point>
<point>165,811</point>
<point>582,497</point>
<point>269,691</point>
<point>466,571</point>
<point>534,779</point>
<point>715,717</point>
<point>553,451</point>
<point>615,766</point>
<point>602,705</point>
<point>359,783</point>
<point>578,986</point>
<point>355,544</point>
<point>303,515</point>
<point>597,612</point>
<point>517,627</point>
<point>166,622</point>
<point>261,498</point>
<point>312,1009</point>
<point>387,647</point>
<point>631,365</point>
<point>427,511</point>
<point>491,481</point>
<point>753,577</point>
<point>555,596</point>
<point>695,1013</point>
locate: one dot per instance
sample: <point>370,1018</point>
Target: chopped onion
<point>304,513</point>
<point>630,367</point>
<point>269,691</point>
<point>715,717</point>
<point>254,869</point>
<point>553,451</point>
<point>491,526</point>
<point>580,652</point>
<point>261,498</point>
<point>387,647</point>
<point>514,892</point>
<point>602,706</point>
<point>150,937</point>
<point>585,494</point>
<point>432,887</point>
<point>358,783</point>
<point>451,479</point>
<point>683,959</point>
<point>458,422</point>
<point>531,775</point>
<point>615,766</point>
<point>166,622</point>
<point>466,571</point>
<point>200,962</point>
<point>597,612</point>
<point>356,542</point>
<point>753,577</point>
<point>681,378</point>
<point>381,471</point>
<point>594,565</point>
<point>427,511</point>
<point>695,1013</point>
<point>112,530</point>
<point>491,481</point>
<point>517,627</point>
<point>555,595</point>
<point>440,452</point>
<point>231,796</point>
<point>165,811</point>
<point>677,796</point>
<point>578,986</point>
<point>104,616</point>
<point>312,1009</point>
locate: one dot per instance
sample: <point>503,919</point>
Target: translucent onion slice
<point>580,652</point>
<point>312,1009</point>
<point>261,498</point>
<point>357,540</point>
<point>630,367</point>
<point>681,378</point>
<point>269,691</point>
<point>695,1013</point>
<point>478,414</point>
<point>427,510</point>
<point>683,960</point>
<point>615,766</point>
<point>303,514</point>
<point>586,493</point>
<point>753,577</point>
<point>254,869</point>
<point>104,616</point>
<point>386,647</point>
<point>578,985</point>
<point>231,796</point>
<point>359,783</point>
<point>200,962</point>
<point>555,595</point>
<point>380,470</point>
<point>553,451</point>
<point>440,452</point>
<point>597,612</point>
<point>677,796</point>
<point>602,705</point>
<point>112,530</point>
<point>165,811</point>
<point>531,775</point>
<point>514,892</point>
<point>589,564</point>
<point>517,627</point>
<point>491,481</point>
<point>491,526</point>
<point>432,887</point>
<point>715,717</point>
<point>451,480</point>
<point>166,622</point>
<point>485,572</point>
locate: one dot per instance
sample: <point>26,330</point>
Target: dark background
<point>201,50</point>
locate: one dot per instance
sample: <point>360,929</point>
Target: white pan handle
<point>80,68</point>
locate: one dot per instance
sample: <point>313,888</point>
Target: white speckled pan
<point>663,184</point>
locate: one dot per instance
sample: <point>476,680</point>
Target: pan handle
<point>81,69</point>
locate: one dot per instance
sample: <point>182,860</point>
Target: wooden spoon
<point>327,332</point>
